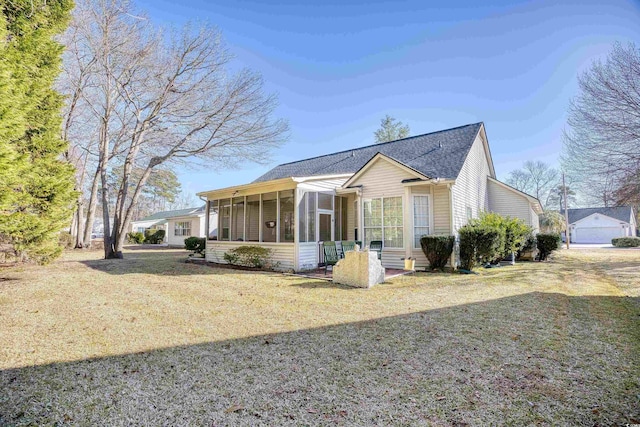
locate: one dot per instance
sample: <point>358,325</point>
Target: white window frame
<point>382,226</point>
<point>181,229</point>
<point>413,217</point>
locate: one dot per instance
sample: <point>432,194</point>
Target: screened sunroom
<point>289,217</point>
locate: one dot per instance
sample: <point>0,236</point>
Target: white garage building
<point>600,225</point>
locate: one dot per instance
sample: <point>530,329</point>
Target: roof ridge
<point>380,143</point>
<point>598,207</point>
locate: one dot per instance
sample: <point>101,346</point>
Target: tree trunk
<point>128,215</point>
<point>91,210</point>
<point>79,220</point>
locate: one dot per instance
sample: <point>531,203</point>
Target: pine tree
<point>391,130</point>
<point>36,185</point>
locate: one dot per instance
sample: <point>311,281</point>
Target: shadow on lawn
<point>536,358</point>
<point>164,262</point>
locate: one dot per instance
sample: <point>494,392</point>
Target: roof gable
<point>379,157</point>
<point>438,154</point>
<point>171,214</point>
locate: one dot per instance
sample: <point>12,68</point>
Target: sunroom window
<point>421,219</point>
<point>383,221</point>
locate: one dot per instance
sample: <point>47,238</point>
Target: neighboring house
<point>600,225</point>
<point>178,224</point>
<point>396,192</point>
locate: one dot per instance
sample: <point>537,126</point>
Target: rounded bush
<point>479,244</point>
<point>547,243</point>
<point>249,256</point>
<point>195,244</point>
<point>437,249</point>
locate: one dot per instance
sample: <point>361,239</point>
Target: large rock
<point>359,268</point>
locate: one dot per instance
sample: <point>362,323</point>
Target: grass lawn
<point>151,340</point>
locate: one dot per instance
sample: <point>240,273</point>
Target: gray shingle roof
<point>621,213</point>
<point>171,214</point>
<point>436,155</point>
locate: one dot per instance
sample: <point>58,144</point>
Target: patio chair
<point>330,255</point>
<point>376,245</point>
<point>348,245</point>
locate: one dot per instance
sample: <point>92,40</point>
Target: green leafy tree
<point>391,130</point>
<point>36,186</point>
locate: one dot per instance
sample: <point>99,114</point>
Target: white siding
<point>470,188</point>
<point>384,179</point>
<point>283,253</point>
<point>307,256</point>
<point>535,220</point>
<point>351,218</point>
<point>507,202</point>
<point>197,229</point>
<point>441,210</point>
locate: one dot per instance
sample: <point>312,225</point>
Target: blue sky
<point>339,66</point>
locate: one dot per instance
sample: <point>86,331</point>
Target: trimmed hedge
<point>154,237</point>
<point>195,244</point>
<point>249,256</point>
<point>479,244</point>
<point>135,237</point>
<point>547,243</point>
<point>437,249</point>
<point>626,242</point>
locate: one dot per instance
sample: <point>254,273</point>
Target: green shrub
<point>66,240</point>
<point>154,237</point>
<point>479,244</point>
<point>547,243</point>
<point>514,232</point>
<point>195,244</point>
<point>135,237</point>
<point>529,245</point>
<point>249,256</point>
<point>437,249</point>
<point>626,242</point>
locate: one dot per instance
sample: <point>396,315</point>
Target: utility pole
<point>566,212</point>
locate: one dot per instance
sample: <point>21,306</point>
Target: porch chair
<point>330,255</point>
<point>376,245</point>
<point>348,245</point>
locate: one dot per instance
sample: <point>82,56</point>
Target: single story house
<point>178,224</point>
<point>600,225</point>
<point>395,192</point>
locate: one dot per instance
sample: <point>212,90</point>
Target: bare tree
<point>535,178</point>
<point>167,99</point>
<point>602,145</point>
<point>96,49</point>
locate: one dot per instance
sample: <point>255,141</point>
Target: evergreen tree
<point>391,130</point>
<point>36,185</point>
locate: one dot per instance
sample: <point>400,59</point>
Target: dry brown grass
<point>152,340</point>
